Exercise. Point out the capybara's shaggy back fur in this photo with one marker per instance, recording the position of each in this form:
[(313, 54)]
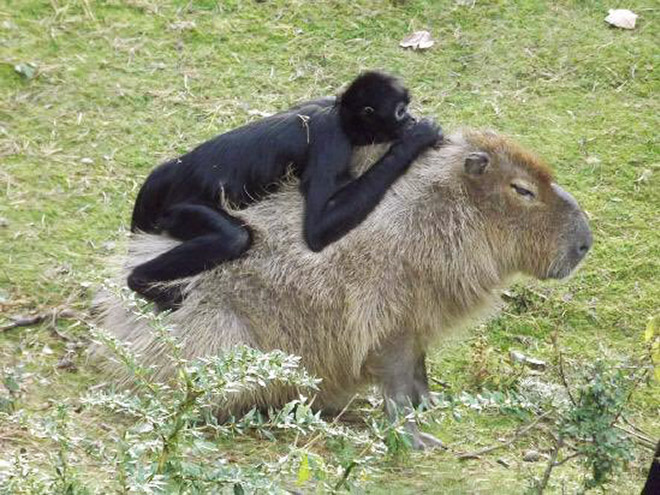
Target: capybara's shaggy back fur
[(431, 256)]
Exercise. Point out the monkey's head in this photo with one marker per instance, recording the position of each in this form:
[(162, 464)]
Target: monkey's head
[(374, 109), (537, 227)]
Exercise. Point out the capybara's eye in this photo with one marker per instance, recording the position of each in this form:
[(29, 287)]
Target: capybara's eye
[(525, 193)]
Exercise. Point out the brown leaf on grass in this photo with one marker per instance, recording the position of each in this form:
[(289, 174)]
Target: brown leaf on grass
[(419, 40)]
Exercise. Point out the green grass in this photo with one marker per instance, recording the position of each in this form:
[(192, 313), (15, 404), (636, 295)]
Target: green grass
[(122, 85)]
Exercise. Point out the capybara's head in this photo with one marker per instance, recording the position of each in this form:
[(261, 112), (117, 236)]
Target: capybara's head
[(535, 226)]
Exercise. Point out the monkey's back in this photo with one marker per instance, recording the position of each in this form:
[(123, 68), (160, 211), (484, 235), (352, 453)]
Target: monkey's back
[(244, 164)]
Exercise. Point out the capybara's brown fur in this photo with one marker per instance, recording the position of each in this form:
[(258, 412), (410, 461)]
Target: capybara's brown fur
[(432, 256)]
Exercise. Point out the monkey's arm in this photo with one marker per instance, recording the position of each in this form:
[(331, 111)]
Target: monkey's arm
[(334, 202)]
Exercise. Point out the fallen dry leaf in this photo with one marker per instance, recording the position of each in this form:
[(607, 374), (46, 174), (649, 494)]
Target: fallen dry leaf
[(621, 18), (182, 25), (419, 40), (519, 357)]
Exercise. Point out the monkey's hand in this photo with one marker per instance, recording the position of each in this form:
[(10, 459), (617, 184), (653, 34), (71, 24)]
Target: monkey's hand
[(421, 135)]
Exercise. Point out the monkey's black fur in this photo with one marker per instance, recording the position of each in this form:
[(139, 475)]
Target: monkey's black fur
[(652, 486), (315, 140)]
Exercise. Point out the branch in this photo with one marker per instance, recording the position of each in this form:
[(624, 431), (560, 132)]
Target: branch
[(519, 434), (566, 459), (634, 426), (334, 422), (551, 464), (28, 321), (560, 363), (636, 384), (640, 439)]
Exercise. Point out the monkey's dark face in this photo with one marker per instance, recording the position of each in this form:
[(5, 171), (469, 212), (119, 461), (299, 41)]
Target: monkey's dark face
[(385, 118), (374, 109)]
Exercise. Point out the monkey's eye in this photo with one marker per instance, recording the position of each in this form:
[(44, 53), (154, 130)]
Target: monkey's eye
[(368, 110), (525, 193), (401, 111)]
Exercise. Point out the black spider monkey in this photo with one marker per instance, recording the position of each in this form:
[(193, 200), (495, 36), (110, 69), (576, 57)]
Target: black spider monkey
[(315, 140)]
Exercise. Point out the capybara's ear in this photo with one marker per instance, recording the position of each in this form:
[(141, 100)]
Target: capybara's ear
[(476, 162)]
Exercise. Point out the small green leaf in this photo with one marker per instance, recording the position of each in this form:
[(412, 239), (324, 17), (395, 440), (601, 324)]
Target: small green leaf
[(303, 470)]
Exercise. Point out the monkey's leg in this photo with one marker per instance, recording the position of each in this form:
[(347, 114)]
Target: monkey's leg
[(396, 365), (188, 221), (210, 238)]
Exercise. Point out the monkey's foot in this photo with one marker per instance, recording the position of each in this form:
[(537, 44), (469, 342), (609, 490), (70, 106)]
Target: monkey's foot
[(164, 298)]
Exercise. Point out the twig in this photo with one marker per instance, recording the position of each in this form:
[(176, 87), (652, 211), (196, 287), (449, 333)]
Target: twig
[(639, 438), (634, 426), (518, 434), (560, 363), (334, 422), (636, 384), (28, 321), (305, 123), (97, 386), (566, 459), (59, 334), (551, 464), (24, 321), (439, 382), (404, 419), (88, 10)]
